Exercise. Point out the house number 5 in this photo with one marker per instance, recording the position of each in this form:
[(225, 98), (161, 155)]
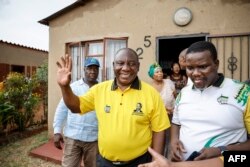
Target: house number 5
[(147, 44)]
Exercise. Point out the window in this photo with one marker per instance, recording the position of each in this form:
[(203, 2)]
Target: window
[(111, 47), (77, 54), (103, 50), (18, 68), (95, 50)]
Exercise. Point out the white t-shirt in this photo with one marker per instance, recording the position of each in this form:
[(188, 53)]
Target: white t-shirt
[(212, 117)]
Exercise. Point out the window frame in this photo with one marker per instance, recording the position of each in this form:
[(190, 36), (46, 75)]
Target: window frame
[(84, 53)]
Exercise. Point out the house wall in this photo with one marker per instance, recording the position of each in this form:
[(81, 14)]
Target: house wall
[(135, 20), (13, 54)]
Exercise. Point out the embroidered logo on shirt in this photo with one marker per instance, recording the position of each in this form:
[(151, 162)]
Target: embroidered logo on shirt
[(243, 94), (107, 109), (138, 110), (222, 99)]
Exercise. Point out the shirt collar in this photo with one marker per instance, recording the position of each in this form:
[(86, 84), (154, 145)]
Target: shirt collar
[(82, 82), (218, 82), (136, 84)]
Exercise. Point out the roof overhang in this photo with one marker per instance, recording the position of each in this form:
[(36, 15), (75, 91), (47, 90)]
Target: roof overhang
[(74, 5)]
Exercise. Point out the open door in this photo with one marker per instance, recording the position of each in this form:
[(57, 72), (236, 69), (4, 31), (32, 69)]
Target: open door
[(169, 48)]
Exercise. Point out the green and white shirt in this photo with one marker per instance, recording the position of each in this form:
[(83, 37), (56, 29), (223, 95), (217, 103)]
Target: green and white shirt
[(216, 116)]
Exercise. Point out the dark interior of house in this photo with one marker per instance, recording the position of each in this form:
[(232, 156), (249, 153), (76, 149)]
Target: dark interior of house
[(170, 48)]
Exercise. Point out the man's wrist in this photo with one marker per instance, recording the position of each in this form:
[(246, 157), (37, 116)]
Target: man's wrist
[(222, 149)]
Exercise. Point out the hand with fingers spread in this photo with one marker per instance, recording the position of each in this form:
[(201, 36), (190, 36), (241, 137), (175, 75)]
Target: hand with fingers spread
[(64, 70), (58, 140), (159, 160), (177, 149)]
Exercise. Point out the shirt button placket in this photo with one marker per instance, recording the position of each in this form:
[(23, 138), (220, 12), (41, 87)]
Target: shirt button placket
[(121, 99)]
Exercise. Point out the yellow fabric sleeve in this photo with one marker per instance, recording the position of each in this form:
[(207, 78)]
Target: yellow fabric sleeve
[(247, 116)]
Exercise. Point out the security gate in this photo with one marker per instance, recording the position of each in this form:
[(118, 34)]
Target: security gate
[(233, 54)]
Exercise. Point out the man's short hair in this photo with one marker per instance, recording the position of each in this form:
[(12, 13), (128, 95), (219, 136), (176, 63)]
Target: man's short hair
[(201, 46)]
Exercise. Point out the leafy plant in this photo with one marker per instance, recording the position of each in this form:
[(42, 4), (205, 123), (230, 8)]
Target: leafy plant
[(42, 77), (7, 114), (19, 92)]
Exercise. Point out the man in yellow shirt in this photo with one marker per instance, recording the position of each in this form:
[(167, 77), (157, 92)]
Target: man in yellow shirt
[(131, 114)]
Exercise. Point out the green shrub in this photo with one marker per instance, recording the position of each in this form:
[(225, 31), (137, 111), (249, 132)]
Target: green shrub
[(19, 92), (42, 77), (7, 114)]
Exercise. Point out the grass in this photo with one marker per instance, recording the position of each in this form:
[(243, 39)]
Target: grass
[(16, 154)]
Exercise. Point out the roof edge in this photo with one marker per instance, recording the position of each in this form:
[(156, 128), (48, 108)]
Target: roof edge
[(46, 20), (23, 46)]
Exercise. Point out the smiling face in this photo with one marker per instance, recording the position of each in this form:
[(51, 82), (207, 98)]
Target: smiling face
[(202, 68), (126, 66)]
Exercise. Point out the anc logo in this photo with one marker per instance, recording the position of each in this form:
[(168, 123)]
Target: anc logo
[(222, 99), (107, 109)]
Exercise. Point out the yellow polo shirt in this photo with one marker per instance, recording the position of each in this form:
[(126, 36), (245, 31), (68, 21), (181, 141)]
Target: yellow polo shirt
[(125, 119)]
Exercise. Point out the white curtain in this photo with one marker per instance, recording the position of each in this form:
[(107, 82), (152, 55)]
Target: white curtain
[(96, 48), (75, 60), (112, 46), (77, 54)]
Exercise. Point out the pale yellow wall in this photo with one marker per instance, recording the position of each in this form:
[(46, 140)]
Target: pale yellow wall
[(135, 19)]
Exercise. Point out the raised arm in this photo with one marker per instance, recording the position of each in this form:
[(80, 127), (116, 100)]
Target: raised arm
[(63, 79)]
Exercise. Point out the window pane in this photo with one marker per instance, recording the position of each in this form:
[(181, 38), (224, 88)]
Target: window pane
[(95, 48), (74, 50), (112, 46)]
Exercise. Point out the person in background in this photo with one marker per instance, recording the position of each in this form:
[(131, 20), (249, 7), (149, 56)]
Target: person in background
[(211, 116), (179, 79), (182, 62), (165, 87), (167, 91), (80, 131), (182, 59), (131, 114), (161, 161)]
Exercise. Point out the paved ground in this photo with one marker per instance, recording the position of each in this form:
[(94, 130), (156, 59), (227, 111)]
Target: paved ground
[(48, 152)]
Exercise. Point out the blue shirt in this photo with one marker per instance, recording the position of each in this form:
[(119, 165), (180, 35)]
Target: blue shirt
[(76, 126)]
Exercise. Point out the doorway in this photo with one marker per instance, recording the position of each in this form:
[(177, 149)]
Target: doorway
[(169, 48)]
